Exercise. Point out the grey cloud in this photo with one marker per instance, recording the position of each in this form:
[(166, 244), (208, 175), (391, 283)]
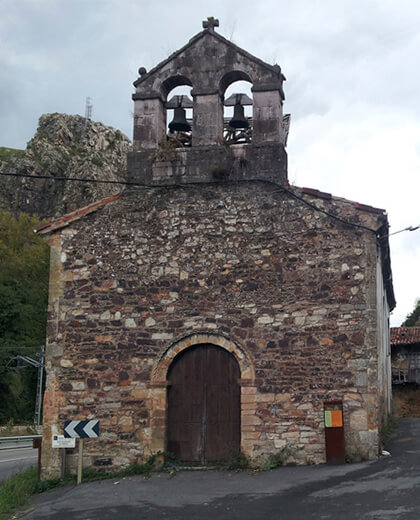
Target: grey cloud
[(345, 61)]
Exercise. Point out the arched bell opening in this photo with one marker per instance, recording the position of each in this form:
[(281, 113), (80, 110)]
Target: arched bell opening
[(238, 108), (179, 116)]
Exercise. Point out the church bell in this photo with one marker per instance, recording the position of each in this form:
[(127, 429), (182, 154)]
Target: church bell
[(179, 123), (238, 120)]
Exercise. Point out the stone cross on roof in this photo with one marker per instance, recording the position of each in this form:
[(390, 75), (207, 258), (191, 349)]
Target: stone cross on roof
[(210, 23)]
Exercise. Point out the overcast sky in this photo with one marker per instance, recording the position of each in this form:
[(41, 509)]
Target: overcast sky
[(353, 86)]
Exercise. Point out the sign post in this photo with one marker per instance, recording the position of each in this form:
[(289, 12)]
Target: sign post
[(80, 462), (37, 443), (61, 442), (81, 430)]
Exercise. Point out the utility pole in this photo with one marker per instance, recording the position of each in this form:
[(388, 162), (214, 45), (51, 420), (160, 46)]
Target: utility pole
[(22, 362)]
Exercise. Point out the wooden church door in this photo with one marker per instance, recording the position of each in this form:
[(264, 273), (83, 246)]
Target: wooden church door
[(204, 405)]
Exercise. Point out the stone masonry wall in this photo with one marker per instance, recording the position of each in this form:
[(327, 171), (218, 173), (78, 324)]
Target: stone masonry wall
[(290, 288)]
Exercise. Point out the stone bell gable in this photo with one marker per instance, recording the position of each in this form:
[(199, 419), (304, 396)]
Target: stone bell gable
[(209, 63)]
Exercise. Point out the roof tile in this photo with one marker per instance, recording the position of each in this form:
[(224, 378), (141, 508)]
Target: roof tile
[(405, 335)]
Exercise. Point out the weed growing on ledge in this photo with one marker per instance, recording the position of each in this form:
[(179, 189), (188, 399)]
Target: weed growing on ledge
[(166, 152)]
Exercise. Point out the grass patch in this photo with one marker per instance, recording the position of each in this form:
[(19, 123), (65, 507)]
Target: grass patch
[(97, 161), (8, 153), (16, 490), (11, 430)]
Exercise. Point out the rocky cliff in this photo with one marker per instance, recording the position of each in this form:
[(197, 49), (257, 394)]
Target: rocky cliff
[(63, 146)]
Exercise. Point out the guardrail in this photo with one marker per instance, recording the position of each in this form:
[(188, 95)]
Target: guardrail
[(20, 438), (36, 443)]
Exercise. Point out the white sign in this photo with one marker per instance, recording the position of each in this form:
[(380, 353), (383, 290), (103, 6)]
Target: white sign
[(59, 441)]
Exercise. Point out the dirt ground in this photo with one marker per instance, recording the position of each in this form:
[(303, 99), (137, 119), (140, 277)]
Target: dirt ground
[(406, 401)]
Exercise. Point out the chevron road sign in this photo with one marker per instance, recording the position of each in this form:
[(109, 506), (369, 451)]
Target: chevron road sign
[(81, 429)]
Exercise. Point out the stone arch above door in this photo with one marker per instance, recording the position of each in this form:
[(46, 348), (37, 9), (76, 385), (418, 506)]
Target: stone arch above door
[(246, 366), (155, 437)]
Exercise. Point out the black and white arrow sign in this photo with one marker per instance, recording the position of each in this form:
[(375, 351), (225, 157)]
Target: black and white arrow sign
[(82, 429)]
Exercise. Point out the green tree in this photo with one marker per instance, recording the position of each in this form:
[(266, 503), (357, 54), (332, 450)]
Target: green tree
[(413, 318), (24, 265)]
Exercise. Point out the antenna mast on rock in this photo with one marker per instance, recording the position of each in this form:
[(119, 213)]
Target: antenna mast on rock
[(88, 109)]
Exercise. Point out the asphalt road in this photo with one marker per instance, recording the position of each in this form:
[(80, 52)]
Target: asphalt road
[(14, 460), (385, 489)]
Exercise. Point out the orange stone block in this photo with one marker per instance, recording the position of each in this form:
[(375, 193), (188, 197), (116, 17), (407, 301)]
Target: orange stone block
[(271, 419), (248, 420), (248, 406), (372, 421), (103, 339), (247, 428), (248, 390), (326, 342), (251, 435), (140, 393)]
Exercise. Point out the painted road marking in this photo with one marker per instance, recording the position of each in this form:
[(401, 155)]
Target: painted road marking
[(25, 458), (18, 449)]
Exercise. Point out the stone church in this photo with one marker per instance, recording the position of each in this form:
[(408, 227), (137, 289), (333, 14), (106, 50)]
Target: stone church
[(212, 308)]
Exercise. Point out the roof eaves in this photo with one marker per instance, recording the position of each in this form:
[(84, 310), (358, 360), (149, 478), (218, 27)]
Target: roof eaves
[(328, 196), (316, 193), (405, 335), (64, 221), (369, 209)]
